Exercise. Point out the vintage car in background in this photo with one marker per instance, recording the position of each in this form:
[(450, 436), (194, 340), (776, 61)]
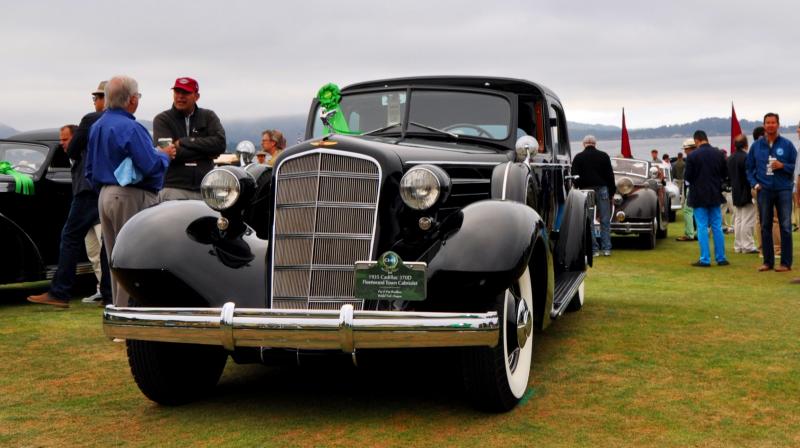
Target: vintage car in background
[(438, 213), (641, 205), (30, 224), (674, 191)]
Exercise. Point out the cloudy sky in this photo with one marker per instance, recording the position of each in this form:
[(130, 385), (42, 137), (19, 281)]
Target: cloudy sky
[(666, 62)]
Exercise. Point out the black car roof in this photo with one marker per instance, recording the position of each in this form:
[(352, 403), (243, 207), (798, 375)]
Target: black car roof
[(38, 135), (519, 86)]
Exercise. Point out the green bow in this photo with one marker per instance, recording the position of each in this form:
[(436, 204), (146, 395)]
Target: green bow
[(22, 183), (329, 97)]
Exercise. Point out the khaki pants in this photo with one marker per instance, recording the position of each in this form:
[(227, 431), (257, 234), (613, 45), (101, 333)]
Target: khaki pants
[(92, 241), (172, 194), (744, 220), (117, 205)]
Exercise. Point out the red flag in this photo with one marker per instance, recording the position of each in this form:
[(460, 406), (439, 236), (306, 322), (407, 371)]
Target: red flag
[(736, 130), (626, 142)]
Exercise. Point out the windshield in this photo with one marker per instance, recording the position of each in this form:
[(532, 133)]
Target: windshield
[(24, 158), (630, 167), (431, 111)]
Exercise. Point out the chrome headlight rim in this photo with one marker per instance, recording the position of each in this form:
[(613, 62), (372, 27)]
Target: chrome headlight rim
[(625, 185), (437, 183), (210, 186)]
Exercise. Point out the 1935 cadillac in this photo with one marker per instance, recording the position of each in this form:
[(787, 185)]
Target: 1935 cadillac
[(31, 221), (431, 216), (641, 204)]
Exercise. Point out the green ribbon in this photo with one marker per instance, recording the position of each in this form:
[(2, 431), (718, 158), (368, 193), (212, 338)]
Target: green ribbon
[(329, 97), (22, 183)]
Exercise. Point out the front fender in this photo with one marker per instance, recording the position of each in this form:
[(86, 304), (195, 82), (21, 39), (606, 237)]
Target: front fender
[(573, 249), (642, 205), (487, 246), (174, 255), (21, 261)]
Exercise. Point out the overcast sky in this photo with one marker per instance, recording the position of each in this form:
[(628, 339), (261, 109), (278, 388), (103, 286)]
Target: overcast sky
[(665, 62)]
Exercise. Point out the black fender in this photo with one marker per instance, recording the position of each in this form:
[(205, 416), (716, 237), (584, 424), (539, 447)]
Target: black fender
[(641, 205), (173, 254), (21, 261), (485, 247), (513, 182), (573, 250)]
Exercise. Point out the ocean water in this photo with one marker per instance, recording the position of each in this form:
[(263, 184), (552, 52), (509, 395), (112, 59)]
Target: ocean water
[(641, 147)]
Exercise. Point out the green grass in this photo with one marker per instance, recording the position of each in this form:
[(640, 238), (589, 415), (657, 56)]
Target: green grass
[(663, 354)]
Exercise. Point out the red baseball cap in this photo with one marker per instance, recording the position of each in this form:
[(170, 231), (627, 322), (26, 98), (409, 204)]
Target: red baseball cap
[(186, 84)]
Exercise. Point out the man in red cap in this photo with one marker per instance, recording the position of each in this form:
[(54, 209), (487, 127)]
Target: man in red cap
[(198, 137)]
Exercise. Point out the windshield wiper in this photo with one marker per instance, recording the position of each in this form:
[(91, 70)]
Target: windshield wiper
[(385, 128), (431, 128)]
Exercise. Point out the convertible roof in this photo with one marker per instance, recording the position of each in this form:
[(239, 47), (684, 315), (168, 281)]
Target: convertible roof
[(519, 86), (39, 135)]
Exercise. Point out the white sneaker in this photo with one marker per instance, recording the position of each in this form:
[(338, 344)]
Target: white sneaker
[(96, 297), (118, 340)]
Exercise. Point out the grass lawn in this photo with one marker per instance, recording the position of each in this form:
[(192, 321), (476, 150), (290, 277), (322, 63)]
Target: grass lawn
[(662, 354)]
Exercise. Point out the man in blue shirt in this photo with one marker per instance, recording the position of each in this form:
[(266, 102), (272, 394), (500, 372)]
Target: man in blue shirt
[(123, 164), (770, 171)]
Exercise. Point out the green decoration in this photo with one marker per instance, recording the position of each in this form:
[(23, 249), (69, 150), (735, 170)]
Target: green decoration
[(329, 97), (22, 183)]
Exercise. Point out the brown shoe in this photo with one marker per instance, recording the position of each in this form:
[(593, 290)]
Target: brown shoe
[(764, 267), (47, 299), (783, 268), (684, 238), (795, 281)]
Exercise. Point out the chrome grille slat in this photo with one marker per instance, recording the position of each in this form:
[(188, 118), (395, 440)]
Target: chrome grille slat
[(325, 216)]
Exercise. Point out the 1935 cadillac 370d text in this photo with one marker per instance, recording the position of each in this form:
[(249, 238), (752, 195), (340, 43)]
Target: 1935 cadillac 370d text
[(438, 213)]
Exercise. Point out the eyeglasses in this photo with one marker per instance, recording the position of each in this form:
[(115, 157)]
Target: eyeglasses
[(97, 97), (137, 95)]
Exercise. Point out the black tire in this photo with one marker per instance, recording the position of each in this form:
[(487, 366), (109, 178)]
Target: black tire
[(577, 300), (661, 234), (173, 374), (495, 381), (648, 240)]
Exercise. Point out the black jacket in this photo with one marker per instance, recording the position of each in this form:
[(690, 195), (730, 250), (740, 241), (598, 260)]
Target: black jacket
[(705, 171), (77, 152), (594, 170), (740, 186), (198, 149)]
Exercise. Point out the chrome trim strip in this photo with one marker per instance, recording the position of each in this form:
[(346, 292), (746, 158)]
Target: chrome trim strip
[(342, 329), (443, 162), (505, 180)]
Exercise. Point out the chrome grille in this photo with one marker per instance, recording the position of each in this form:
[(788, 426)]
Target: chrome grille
[(325, 212)]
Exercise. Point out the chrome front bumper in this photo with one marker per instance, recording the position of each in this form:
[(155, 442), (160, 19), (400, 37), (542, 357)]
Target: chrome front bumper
[(345, 330), (631, 227)]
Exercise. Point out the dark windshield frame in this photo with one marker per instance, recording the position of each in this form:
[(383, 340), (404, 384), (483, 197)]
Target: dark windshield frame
[(411, 130)]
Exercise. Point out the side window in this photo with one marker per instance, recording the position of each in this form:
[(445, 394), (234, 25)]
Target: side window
[(558, 130)]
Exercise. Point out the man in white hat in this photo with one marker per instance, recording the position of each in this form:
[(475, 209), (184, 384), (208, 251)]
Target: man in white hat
[(689, 231)]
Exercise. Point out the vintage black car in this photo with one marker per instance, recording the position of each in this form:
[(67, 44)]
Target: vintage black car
[(31, 224), (641, 204), (436, 219)]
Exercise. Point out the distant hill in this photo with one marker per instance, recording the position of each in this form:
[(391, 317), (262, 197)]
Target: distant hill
[(713, 126), (5, 131)]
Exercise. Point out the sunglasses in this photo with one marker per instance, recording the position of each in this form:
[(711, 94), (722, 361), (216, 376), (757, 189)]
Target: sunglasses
[(97, 97)]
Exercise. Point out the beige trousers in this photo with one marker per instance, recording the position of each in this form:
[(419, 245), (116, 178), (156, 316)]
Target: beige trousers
[(744, 222), (117, 205), (93, 244)]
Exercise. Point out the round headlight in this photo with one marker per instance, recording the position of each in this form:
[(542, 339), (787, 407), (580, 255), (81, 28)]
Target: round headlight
[(420, 188), (220, 189), (625, 185)]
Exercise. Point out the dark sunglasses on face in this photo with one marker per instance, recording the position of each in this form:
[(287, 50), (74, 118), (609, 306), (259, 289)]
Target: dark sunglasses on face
[(97, 97)]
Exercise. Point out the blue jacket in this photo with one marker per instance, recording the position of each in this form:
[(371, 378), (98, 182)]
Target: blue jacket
[(705, 171), (112, 138), (783, 150)]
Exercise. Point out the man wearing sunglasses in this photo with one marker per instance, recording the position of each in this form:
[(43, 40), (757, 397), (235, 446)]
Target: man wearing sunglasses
[(83, 222)]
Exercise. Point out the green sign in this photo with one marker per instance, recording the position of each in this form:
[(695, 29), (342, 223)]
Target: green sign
[(390, 278)]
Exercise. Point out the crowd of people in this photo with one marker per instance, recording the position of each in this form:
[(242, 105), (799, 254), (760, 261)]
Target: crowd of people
[(118, 169), (758, 183)]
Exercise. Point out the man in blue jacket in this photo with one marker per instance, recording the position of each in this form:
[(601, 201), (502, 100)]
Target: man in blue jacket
[(770, 169), (115, 139), (705, 171)]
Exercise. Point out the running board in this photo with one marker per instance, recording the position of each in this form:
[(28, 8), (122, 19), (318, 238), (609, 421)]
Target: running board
[(567, 284)]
